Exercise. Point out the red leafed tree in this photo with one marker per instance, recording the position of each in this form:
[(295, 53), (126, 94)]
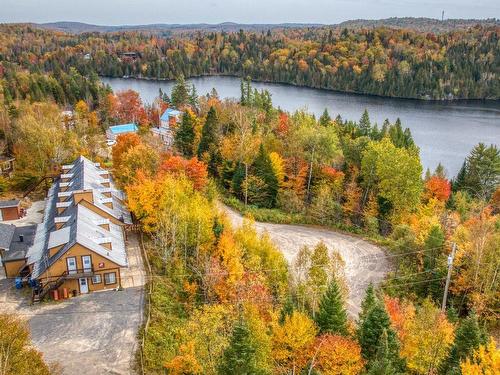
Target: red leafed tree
[(194, 169), (331, 173), (283, 124), (129, 107), (438, 187)]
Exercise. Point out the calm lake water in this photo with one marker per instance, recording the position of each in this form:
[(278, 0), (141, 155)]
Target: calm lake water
[(444, 131)]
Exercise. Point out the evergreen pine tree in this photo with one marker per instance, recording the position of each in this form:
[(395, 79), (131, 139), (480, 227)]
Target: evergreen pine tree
[(468, 337), (287, 309), (240, 356), (364, 124), (368, 302), (332, 316), (184, 136), (180, 93), (264, 169), (237, 180), (383, 364), (374, 321), (440, 171), (325, 119), (193, 97), (208, 133), (459, 182), (385, 128), (483, 171)]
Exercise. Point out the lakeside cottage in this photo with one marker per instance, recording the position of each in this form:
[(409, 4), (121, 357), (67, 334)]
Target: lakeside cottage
[(80, 245)]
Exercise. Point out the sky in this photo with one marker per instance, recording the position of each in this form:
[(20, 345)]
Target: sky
[(133, 12)]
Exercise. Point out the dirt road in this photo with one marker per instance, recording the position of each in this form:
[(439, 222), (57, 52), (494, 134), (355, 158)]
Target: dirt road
[(364, 262)]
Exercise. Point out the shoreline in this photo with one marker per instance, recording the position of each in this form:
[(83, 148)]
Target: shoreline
[(353, 93)]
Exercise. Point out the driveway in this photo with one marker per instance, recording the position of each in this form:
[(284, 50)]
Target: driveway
[(364, 262), (90, 334), (94, 333), (134, 275)]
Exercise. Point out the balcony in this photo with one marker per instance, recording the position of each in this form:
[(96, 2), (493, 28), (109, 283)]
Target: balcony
[(80, 272)]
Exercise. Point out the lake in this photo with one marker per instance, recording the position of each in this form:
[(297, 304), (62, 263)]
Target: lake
[(444, 131)]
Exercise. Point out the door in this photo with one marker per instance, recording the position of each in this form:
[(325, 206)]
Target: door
[(84, 287), (71, 262), (87, 263)]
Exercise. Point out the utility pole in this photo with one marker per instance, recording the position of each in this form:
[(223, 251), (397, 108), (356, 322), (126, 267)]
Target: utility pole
[(448, 277), (442, 16)]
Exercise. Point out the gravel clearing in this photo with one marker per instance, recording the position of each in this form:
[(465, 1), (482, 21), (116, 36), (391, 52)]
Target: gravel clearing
[(364, 262)]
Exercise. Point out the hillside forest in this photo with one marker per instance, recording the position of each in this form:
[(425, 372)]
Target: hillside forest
[(378, 61)]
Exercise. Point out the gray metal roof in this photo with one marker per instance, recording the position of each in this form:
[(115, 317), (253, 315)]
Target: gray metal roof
[(6, 234), (18, 249), (9, 203), (80, 224)]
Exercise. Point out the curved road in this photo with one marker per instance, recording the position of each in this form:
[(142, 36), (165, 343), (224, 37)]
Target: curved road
[(364, 262)]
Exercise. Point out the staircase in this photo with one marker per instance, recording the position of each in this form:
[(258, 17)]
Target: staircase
[(39, 293), (50, 178)]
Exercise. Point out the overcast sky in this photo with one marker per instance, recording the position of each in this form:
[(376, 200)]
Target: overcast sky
[(119, 12)]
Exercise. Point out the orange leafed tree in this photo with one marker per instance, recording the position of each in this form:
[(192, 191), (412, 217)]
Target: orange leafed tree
[(185, 362), (194, 169), (438, 187), (400, 314), (332, 355), (124, 142)]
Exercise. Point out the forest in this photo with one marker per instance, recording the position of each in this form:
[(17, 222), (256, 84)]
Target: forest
[(223, 300), (380, 61)]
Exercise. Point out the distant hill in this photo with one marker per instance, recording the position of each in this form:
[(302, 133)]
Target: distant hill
[(78, 27), (420, 24)]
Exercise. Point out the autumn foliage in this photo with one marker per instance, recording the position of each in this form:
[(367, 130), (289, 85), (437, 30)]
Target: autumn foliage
[(336, 355), (194, 169), (438, 187)]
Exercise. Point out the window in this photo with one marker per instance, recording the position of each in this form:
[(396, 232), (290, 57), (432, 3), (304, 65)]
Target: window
[(110, 278), (96, 279)]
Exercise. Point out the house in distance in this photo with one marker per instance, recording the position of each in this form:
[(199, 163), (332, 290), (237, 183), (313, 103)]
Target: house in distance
[(114, 131), (168, 120)]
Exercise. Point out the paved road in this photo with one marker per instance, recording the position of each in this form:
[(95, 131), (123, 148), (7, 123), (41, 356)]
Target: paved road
[(364, 262), (90, 334)]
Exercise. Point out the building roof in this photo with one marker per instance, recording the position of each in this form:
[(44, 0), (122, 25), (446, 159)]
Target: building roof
[(124, 128), (170, 112), (18, 248), (83, 228), (86, 175), (78, 223), (9, 203), (6, 234)]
